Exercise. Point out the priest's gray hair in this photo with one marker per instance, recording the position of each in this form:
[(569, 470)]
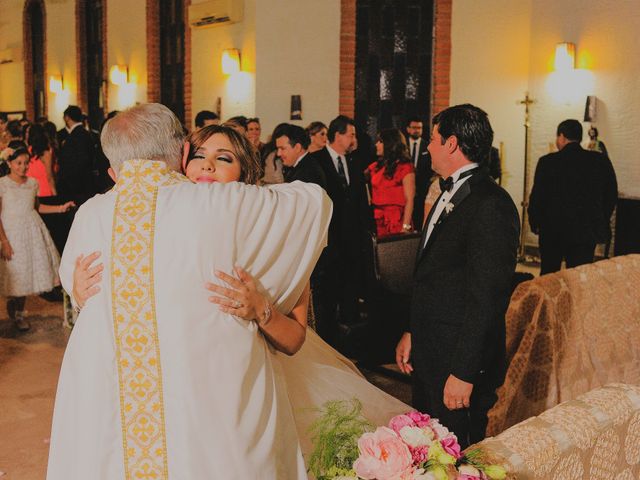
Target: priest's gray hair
[(145, 132)]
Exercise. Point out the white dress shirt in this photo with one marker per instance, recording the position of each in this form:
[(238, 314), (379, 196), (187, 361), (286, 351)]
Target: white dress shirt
[(445, 198), (299, 159), (336, 157)]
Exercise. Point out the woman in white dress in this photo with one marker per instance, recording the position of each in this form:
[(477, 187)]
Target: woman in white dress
[(312, 371), (30, 260)]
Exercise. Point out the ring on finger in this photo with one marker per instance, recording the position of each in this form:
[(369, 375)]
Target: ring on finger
[(237, 304)]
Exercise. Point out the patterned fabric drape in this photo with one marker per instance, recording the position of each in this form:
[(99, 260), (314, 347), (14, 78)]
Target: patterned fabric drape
[(596, 436), (568, 333)]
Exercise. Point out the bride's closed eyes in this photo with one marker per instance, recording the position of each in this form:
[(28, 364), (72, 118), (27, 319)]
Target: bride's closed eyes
[(214, 161)]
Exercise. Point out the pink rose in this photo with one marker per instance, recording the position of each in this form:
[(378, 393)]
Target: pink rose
[(400, 421), (467, 477), (419, 454), (383, 456), (420, 419), (451, 446)]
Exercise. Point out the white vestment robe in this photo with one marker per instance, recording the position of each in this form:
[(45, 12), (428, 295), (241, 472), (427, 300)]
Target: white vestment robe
[(220, 408)]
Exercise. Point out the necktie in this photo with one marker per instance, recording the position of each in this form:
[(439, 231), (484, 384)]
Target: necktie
[(447, 184), (413, 154), (341, 174)]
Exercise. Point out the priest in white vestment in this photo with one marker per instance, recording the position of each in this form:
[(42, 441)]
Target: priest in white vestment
[(155, 383)]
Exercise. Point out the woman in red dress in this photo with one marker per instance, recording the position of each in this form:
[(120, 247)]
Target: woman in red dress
[(41, 164), (393, 183)]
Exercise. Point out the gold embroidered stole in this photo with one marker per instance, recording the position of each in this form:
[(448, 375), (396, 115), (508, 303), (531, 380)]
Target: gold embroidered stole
[(134, 318)]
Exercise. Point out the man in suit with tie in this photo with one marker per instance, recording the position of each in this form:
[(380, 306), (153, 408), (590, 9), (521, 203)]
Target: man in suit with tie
[(573, 196), (75, 178), (422, 163), (351, 217), (455, 344)]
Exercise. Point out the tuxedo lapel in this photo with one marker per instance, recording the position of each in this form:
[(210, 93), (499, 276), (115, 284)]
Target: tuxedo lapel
[(461, 194)]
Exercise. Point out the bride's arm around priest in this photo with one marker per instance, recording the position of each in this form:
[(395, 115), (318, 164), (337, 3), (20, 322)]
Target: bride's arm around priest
[(154, 381)]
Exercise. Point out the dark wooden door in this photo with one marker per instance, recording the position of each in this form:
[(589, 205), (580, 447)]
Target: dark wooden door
[(172, 56), (394, 46), (94, 36)]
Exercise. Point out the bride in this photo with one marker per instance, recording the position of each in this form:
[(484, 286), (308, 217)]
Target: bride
[(308, 369)]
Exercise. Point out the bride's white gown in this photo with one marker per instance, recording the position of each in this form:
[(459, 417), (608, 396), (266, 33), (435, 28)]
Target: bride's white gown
[(317, 374), (228, 402)]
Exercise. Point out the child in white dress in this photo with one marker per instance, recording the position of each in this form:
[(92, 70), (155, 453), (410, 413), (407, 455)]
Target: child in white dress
[(30, 260)]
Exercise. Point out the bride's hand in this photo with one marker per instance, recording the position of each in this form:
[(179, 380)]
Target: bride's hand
[(242, 299), (86, 278)]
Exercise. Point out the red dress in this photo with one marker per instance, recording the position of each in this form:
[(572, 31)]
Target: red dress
[(38, 171), (388, 198)]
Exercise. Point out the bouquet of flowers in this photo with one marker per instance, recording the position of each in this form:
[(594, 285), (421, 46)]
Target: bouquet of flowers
[(413, 446)]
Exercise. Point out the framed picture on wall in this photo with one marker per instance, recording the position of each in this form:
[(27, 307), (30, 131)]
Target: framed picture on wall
[(16, 115), (296, 107)]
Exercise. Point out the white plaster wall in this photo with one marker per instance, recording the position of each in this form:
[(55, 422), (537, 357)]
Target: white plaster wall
[(11, 74), (297, 53), (490, 68), (607, 41), (238, 92), (492, 40), (127, 45)]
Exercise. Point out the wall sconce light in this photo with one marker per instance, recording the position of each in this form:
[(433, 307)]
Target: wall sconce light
[(119, 75), (565, 57), (230, 61), (56, 83)]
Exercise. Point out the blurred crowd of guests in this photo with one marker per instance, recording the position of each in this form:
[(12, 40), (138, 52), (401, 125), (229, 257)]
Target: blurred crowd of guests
[(379, 188)]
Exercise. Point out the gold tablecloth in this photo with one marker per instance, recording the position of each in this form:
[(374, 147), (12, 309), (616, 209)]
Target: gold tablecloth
[(596, 436), (568, 333)]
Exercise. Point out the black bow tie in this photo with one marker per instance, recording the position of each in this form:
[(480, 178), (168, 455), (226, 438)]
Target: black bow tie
[(447, 184)]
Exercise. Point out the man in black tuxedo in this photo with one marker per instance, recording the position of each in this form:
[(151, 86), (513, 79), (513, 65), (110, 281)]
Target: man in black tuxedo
[(573, 196), (344, 260), (75, 177), (422, 163), (455, 344)]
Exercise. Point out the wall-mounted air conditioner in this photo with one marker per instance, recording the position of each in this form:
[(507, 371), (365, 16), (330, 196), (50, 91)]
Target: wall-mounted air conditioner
[(215, 12)]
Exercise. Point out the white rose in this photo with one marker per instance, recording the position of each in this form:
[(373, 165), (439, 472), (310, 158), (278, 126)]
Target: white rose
[(343, 477), (420, 474), (416, 436), (440, 430), (469, 470)]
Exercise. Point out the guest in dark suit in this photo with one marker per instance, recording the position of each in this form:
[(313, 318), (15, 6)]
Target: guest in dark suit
[(422, 164), (292, 142), (455, 344), (572, 199), (351, 217), (75, 177)]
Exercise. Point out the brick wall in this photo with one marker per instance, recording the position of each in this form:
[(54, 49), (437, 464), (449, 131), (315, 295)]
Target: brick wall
[(187, 66), (27, 53), (153, 51), (441, 59), (347, 58), (442, 56)]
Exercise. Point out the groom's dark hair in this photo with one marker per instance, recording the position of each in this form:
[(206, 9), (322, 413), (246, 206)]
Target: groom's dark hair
[(470, 125)]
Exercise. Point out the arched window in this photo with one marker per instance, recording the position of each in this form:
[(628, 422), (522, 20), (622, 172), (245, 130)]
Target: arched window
[(168, 44), (393, 62), (92, 53), (34, 31)]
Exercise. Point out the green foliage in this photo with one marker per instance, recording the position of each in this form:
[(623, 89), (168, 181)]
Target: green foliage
[(335, 437)]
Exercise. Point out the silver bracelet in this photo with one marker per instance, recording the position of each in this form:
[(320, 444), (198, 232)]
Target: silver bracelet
[(266, 316)]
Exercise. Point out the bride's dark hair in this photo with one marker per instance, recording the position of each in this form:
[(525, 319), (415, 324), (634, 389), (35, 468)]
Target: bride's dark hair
[(250, 168)]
